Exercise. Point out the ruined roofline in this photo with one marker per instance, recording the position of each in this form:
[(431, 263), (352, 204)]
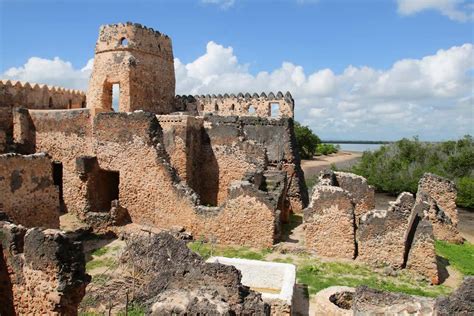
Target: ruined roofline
[(247, 96), (150, 30), (38, 87)]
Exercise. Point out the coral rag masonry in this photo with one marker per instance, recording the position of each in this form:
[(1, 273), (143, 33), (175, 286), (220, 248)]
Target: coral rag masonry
[(223, 167)]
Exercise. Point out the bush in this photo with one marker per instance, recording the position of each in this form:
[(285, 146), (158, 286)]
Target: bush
[(398, 167), (307, 141), (326, 149)]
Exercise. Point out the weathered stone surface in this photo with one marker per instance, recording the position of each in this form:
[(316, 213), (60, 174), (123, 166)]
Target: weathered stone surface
[(329, 221), (362, 194), (381, 234), (181, 282), (443, 227), (443, 191), (43, 272), (130, 55), (28, 195), (367, 301), (328, 301), (460, 302)]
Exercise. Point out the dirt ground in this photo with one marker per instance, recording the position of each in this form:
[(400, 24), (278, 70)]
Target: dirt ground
[(342, 160)]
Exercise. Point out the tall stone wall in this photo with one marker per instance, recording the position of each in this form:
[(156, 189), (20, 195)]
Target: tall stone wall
[(43, 272), (140, 61), (28, 195), (278, 105), (130, 145)]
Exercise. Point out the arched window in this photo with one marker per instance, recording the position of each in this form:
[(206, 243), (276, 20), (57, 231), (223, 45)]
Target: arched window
[(232, 107), (123, 42), (50, 103), (216, 107), (70, 104)]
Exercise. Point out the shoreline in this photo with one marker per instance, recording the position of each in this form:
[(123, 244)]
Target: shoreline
[(344, 159)]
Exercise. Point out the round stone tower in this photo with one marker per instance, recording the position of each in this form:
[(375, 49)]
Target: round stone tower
[(140, 61)]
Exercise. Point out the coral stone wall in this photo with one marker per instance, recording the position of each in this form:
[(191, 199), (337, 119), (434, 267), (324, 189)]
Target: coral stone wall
[(28, 195), (149, 189), (33, 96), (381, 234), (64, 135), (45, 272), (361, 192), (443, 191), (131, 55), (228, 105), (329, 223)]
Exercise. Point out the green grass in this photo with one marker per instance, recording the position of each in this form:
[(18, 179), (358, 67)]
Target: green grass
[(133, 310), (99, 263), (320, 275), (206, 250), (311, 182), (100, 251), (460, 257)]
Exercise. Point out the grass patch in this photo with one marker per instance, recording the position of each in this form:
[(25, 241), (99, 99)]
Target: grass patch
[(283, 260), (100, 251), (133, 310), (101, 263), (460, 257), (320, 275), (311, 182), (206, 250)]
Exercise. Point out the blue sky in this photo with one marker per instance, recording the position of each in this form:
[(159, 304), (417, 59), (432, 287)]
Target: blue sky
[(334, 55)]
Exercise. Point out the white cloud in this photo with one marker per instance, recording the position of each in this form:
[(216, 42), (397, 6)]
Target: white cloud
[(458, 10), (55, 72), (224, 4), (431, 97)]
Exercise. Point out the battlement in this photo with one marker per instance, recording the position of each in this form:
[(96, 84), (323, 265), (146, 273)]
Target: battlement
[(133, 37), (19, 85), (271, 105)]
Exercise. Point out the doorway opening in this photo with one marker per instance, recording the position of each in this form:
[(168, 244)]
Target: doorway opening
[(115, 96), (58, 181)]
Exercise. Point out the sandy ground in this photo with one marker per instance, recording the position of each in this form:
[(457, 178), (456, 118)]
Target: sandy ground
[(342, 160)]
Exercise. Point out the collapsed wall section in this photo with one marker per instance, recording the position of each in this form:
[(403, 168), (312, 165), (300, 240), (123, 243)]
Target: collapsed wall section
[(28, 194), (44, 272)]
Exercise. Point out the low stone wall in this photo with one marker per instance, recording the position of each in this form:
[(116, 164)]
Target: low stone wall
[(329, 221), (28, 195), (43, 272)]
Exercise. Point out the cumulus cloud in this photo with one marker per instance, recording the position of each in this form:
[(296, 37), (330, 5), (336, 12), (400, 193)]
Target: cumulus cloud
[(458, 10), (55, 72), (431, 97)]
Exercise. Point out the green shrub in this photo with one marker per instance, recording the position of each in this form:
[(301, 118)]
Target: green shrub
[(326, 149), (398, 167), (306, 140)]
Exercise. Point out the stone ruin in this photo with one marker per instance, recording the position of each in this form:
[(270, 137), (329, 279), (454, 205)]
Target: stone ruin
[(42, 271), (224, 168), (341, 212), (343, 300)]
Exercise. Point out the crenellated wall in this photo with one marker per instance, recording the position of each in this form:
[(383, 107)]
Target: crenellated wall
[(262, 105), (32, 96)]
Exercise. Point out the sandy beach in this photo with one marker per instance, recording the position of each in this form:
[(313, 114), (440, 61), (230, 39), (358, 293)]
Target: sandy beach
[(342, 160)]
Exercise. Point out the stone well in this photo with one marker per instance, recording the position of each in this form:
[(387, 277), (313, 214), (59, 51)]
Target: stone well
[(275, 281)]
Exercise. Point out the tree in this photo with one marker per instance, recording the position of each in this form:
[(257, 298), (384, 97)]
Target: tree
[(307, 141)]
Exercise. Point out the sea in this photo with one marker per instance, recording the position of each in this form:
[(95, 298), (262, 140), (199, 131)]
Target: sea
[(359, 147)]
